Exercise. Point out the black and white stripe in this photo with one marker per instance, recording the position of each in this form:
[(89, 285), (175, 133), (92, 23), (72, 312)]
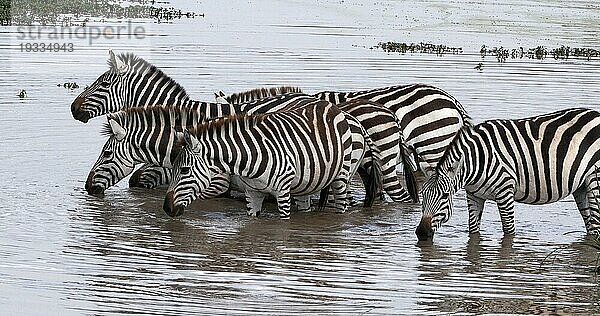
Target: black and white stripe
[(428, 117), (133, 82), (149, 134), (535, 160), (382, 129), (287, 153)]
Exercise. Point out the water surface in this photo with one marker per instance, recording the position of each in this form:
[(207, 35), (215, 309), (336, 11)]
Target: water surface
[(64, 252)]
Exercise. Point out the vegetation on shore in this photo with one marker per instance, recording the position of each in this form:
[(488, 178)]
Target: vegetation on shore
[(501, 53), (79, 12)]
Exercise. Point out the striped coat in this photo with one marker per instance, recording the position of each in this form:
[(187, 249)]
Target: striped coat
[(536, 160)]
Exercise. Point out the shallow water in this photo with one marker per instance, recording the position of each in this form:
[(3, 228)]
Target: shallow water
[(64, 252)]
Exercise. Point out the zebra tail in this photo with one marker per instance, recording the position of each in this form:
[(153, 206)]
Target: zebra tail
[(323, 196), (409, 178), (374, 184)]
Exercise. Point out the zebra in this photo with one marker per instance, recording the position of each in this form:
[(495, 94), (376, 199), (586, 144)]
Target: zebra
[(131, 82), (371, 116), (255, 94), (535, 160), (149, 138), (151, 176), (383, 130), (428, 116), (146, 135), (286, 153)]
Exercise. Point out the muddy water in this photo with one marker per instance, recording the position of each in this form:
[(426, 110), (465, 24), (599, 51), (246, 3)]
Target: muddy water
[(64, 252)]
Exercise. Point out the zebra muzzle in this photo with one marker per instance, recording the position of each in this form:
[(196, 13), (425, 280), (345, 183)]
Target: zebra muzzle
[(77, 111), (92, 188), (424, 231), (170, 208)]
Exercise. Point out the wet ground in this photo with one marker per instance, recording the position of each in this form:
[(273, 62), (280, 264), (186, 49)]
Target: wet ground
[(64, 252)]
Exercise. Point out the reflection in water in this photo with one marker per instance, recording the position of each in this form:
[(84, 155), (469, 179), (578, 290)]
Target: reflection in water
[(507, 276)]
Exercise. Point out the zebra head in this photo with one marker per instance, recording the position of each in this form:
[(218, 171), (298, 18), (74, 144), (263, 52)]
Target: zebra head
[(115, 161), (437, 194), (191, 177), (106, 94)]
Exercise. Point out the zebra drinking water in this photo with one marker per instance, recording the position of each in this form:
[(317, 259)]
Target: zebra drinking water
[(131, 82), (536, 160), (295, 152), (149, 135)]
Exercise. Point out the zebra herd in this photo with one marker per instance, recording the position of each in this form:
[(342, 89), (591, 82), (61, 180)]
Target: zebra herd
[(291, 145)]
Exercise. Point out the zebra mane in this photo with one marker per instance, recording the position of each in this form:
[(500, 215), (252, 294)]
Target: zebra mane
[(248, 120), (145, 112), (139, 64), (106, 130), (260, 93), (455, 142)]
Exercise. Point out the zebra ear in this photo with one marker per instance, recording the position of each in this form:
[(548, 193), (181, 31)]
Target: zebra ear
[(117, 130), (220, 97), (117, 62), (453, 169), (428, 169), (190, 140)]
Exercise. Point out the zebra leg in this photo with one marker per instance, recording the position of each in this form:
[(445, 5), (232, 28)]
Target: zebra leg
[(392, 186), (587, 198), (284, 203), (506, 201), (303, 203), (339, 187), (475, 206), (580, 196), (255, 201)]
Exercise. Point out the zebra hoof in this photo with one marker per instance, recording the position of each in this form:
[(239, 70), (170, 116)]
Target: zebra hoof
[(253, 214)]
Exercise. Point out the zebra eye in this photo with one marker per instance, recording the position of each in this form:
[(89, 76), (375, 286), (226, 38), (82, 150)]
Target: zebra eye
[(445, 195), (185, 170), (107, 153)]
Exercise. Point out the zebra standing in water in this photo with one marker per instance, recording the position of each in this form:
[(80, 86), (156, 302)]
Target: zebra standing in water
[(382, 128), (372, 116), (295, 152), (130, 82), (535, 160), (428, 116)]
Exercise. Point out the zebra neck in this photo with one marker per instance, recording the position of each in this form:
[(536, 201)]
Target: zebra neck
[(218, 154), (159, 90)]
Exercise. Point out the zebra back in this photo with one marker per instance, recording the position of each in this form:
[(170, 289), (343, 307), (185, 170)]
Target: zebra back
[(428, 116), (258, 93)]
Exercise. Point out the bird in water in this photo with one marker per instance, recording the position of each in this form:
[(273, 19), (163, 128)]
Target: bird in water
[(22, 94), (479, 67)]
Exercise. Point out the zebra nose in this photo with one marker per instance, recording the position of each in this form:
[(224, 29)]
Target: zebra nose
[(424, 231), (169, 206), (77, 112), (135, 179), (90, 188)]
